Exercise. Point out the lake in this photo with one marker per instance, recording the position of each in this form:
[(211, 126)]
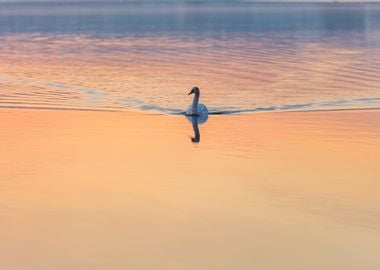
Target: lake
[(100, 169)]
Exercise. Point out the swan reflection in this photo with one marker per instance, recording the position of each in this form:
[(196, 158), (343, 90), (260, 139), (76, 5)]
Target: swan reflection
[(195, 121)]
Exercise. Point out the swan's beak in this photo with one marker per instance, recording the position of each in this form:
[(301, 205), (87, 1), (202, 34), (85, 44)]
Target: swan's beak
[(191, 92)]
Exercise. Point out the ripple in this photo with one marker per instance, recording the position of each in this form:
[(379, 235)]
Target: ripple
[(246, 72)]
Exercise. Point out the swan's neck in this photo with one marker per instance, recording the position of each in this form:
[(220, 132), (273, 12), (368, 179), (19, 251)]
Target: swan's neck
[(195, 103)]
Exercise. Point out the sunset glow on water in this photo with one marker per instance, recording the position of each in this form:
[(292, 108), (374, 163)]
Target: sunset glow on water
[(100, 169), (261, 57)]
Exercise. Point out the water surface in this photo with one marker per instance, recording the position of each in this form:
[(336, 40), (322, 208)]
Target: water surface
[(144, 55), (100, 190), (89, 180)]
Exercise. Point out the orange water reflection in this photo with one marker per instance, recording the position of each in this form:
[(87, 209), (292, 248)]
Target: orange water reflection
[(109, 190)]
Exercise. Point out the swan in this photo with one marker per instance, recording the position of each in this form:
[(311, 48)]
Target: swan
[(195, 109)]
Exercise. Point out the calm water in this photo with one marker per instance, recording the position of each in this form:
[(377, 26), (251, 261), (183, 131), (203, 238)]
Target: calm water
[(119, 190), (244, 56)]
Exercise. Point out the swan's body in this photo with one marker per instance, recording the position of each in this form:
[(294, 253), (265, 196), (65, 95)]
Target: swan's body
[(196, 109)]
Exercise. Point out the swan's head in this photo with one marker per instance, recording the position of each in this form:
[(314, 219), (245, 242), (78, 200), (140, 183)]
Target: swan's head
[(195, 91)]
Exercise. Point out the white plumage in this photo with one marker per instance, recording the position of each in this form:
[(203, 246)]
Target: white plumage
[(201, 110)]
